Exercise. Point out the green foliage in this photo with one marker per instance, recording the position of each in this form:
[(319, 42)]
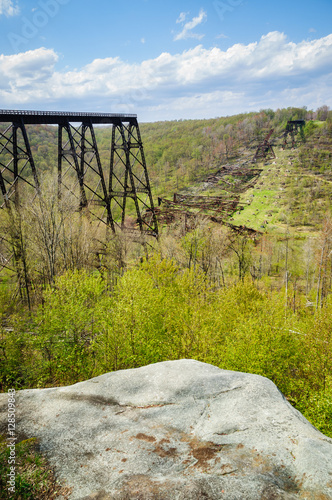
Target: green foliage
[(59, 336), (144, 325), (67, 323), (317, 408), (309, 128), (33, 478), (317, 345)]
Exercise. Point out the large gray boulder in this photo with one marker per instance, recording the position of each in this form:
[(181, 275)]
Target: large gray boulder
[(177, 430)]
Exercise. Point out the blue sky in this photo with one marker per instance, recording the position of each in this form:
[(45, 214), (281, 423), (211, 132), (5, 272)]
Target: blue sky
[(165, 59)]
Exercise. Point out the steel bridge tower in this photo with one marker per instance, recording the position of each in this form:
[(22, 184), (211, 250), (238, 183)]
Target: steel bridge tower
[(107, 193)]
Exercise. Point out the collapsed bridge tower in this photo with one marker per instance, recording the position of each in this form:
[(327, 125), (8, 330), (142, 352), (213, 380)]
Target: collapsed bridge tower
[(265, 149), (293, 128)]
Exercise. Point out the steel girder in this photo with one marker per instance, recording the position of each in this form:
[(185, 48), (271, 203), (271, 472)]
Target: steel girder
[(15, 160), (106, 194), (79, 169), (129, 180)]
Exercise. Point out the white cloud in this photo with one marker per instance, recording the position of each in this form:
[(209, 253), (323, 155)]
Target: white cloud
[(189, 26), (181, 18), (25, 75), (143, 40), (196, 83), (28, 65), (8, 8)]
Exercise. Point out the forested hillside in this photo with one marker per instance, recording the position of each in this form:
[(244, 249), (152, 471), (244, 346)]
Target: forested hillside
[(246, 287)]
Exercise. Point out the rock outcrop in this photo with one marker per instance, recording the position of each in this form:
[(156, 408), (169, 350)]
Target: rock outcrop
[(177, 430)]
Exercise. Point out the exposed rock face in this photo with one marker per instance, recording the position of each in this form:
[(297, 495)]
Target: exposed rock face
[(177, 430)]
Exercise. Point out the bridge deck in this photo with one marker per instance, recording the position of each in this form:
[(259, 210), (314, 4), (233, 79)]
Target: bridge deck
[(59, 117)]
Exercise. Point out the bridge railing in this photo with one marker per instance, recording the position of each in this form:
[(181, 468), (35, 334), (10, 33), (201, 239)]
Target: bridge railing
[(63, 113)]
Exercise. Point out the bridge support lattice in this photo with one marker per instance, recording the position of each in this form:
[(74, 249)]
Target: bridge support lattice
[(117, 195)]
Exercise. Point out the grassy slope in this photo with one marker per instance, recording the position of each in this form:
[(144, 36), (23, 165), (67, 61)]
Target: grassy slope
[(266, 202)]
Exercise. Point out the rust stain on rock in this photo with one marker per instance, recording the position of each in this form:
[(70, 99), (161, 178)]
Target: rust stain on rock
[(165, 452), (204, 452), (145, 437), (164, 440)]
